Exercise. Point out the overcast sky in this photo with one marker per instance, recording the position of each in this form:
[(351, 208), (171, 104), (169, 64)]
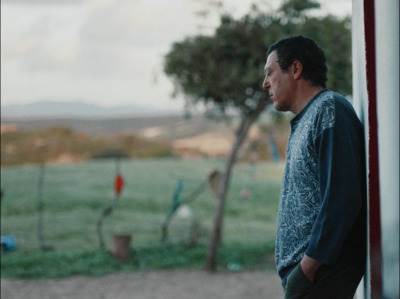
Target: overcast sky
[(104, 52)]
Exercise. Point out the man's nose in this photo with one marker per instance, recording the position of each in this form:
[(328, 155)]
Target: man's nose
[(266, 84)]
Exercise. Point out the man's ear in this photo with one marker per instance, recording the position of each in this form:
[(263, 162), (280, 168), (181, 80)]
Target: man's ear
[(297, 69)]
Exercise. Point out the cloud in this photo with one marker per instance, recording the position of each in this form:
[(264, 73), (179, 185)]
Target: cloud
[(101, 38), (94, 50), (44, 39)]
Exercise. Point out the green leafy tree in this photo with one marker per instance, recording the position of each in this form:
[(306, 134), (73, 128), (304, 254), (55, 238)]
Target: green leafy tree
[(225, 71), (334, 36)]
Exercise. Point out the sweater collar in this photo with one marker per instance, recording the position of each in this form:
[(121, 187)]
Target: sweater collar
[(294, 121)]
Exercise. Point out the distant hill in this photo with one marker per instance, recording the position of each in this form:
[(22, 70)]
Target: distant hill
[(73, 109), (154, 126), (88, 118)]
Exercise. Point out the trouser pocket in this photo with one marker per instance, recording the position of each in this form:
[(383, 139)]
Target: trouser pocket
[(297, 284)]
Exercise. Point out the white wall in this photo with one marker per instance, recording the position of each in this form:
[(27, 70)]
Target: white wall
[(387, 76), (387, 69), (360, 96)]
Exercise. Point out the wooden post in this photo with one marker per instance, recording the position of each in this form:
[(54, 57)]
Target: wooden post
[(110, 208), (40, 206)]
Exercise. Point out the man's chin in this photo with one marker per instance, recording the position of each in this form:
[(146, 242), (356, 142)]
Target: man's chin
[(277, 106), (280, 108)]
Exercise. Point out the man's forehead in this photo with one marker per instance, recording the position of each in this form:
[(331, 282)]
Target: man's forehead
[(271, 59)]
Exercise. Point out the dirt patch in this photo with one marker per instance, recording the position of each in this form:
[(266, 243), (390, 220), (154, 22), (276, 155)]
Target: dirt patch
[(168, 284), (207, 144), (210, 144)]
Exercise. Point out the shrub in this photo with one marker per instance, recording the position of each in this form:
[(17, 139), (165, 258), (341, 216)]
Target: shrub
[(109, 153)]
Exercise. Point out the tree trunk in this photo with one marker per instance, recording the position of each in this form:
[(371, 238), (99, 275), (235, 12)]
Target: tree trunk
[(241, 134)]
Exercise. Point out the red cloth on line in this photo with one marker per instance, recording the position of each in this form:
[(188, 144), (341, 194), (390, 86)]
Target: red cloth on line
[(118, 184)]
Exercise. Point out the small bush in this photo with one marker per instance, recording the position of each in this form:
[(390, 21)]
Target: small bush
[(109, 153)]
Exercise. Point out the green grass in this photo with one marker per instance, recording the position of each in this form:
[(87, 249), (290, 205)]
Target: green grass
[(57, 264), (74, 196)]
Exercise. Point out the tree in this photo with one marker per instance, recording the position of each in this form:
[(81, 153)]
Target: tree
[(334, 36), (331, 33), (225, 71)]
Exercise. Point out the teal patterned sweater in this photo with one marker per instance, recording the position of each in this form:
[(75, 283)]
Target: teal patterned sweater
[(322, 201)]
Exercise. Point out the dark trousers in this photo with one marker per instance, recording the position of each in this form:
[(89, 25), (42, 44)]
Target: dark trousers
[(336, 282)]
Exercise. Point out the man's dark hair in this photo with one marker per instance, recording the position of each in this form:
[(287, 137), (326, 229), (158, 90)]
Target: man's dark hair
[(307, 52)]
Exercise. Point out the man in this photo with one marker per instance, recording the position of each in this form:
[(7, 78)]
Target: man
[(320, 247)]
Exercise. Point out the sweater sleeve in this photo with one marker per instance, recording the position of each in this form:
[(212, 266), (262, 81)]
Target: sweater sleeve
[(338, 149)]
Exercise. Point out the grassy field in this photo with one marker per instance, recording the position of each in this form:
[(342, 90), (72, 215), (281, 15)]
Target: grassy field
[(74, 196)]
